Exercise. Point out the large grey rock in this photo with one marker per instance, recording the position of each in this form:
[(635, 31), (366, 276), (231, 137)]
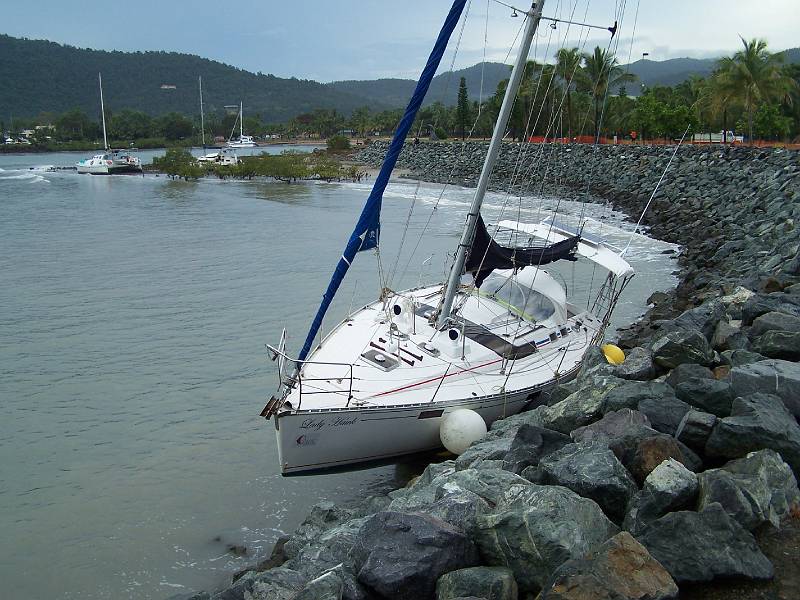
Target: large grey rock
[(618, 569), (757, 421), (709, 395), (279, 583), (580, 408), (779, 344), (401, 555), (695, 428), (761, 304), (702, 546), (638, 365), (491, 583), (492, 449), (643, 450), (778, 377), (613, 425), (328, 586), (537, 528), (775, 321), (664, 414), (687, 371), (323, 516), (591, 470), (331, 550), (682, 346), (703, 318), (456, 497), (754, 490), (510, 425), (729, 337), (738, 358), (632, 393), (239, 590), (530, 444), (668, 487)]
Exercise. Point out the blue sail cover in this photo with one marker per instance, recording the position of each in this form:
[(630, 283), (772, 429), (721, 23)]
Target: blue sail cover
[(367, 231)]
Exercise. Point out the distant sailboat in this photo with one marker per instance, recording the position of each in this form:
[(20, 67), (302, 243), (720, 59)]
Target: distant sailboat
[(244, 141), (111, 162), (225, 156)]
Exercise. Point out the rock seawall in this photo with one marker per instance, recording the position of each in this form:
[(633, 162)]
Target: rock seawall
[(634, 481)]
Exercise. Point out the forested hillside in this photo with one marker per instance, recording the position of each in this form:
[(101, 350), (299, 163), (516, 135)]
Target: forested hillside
[(39, 76)]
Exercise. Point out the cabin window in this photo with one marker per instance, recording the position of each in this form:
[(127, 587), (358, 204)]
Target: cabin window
[(519, 299)]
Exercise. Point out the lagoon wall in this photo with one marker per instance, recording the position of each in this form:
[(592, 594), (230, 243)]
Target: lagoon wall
[(671, 472)]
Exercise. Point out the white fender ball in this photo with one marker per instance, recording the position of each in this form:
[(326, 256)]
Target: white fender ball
[(460, 428)]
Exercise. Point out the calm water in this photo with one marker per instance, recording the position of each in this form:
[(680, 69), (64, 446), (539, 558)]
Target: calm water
[(133, 317)]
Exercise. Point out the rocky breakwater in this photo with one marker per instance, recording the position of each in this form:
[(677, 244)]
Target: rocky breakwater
[(633, 481), (672, 473)]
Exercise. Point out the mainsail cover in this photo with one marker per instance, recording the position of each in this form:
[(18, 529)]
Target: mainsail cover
[(367, 231), (487, 255)]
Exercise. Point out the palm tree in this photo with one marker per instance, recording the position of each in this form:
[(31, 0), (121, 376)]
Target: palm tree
[(568, 68), (753, 76), (601, 72)]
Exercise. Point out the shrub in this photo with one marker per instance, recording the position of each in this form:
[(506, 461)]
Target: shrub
[(338, 142)]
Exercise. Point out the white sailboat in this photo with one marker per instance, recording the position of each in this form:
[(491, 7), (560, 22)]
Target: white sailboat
[(243, 141), (224, 156), (380, 384), (110, 162)]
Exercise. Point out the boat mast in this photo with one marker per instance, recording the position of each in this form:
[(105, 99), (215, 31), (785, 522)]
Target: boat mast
[(241, 120), (202, 124), (533, 17), (103, 112)]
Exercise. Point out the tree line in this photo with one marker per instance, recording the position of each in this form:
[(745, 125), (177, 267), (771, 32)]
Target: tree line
[(579, 94)]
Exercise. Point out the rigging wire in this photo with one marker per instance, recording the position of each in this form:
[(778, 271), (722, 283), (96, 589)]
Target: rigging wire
[(655, 190), (435, 206), (390, 277)]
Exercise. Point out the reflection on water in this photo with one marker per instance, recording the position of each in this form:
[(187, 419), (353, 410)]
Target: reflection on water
[(278, 191), (133, 317)]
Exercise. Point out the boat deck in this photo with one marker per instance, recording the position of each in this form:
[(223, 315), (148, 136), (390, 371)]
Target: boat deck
[(389, 354)]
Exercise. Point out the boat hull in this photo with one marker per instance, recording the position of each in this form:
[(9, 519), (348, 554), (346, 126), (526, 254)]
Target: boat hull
[(104, 169), (310, 440)]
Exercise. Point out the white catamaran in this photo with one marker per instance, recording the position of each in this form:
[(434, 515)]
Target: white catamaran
[(243, 141), (110, 162), (224, 156), (380, 384)]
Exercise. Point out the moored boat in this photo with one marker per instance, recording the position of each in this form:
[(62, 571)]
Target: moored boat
[(110, 162), (243, 141)]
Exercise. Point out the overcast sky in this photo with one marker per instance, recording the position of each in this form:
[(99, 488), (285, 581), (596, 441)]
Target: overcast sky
[(330, 40)]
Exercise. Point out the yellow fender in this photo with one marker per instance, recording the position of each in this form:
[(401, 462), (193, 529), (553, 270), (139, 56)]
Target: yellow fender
[(614, 354)]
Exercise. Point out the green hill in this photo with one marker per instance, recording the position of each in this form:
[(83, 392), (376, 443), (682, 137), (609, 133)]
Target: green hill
[(39, 76)]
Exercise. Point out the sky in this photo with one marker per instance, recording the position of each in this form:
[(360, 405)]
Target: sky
[(332, 40)]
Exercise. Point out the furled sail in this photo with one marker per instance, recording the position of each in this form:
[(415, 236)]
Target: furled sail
[(367, 231), (487, 255)]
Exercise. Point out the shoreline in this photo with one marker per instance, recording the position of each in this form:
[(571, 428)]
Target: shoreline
[(680, 410)]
